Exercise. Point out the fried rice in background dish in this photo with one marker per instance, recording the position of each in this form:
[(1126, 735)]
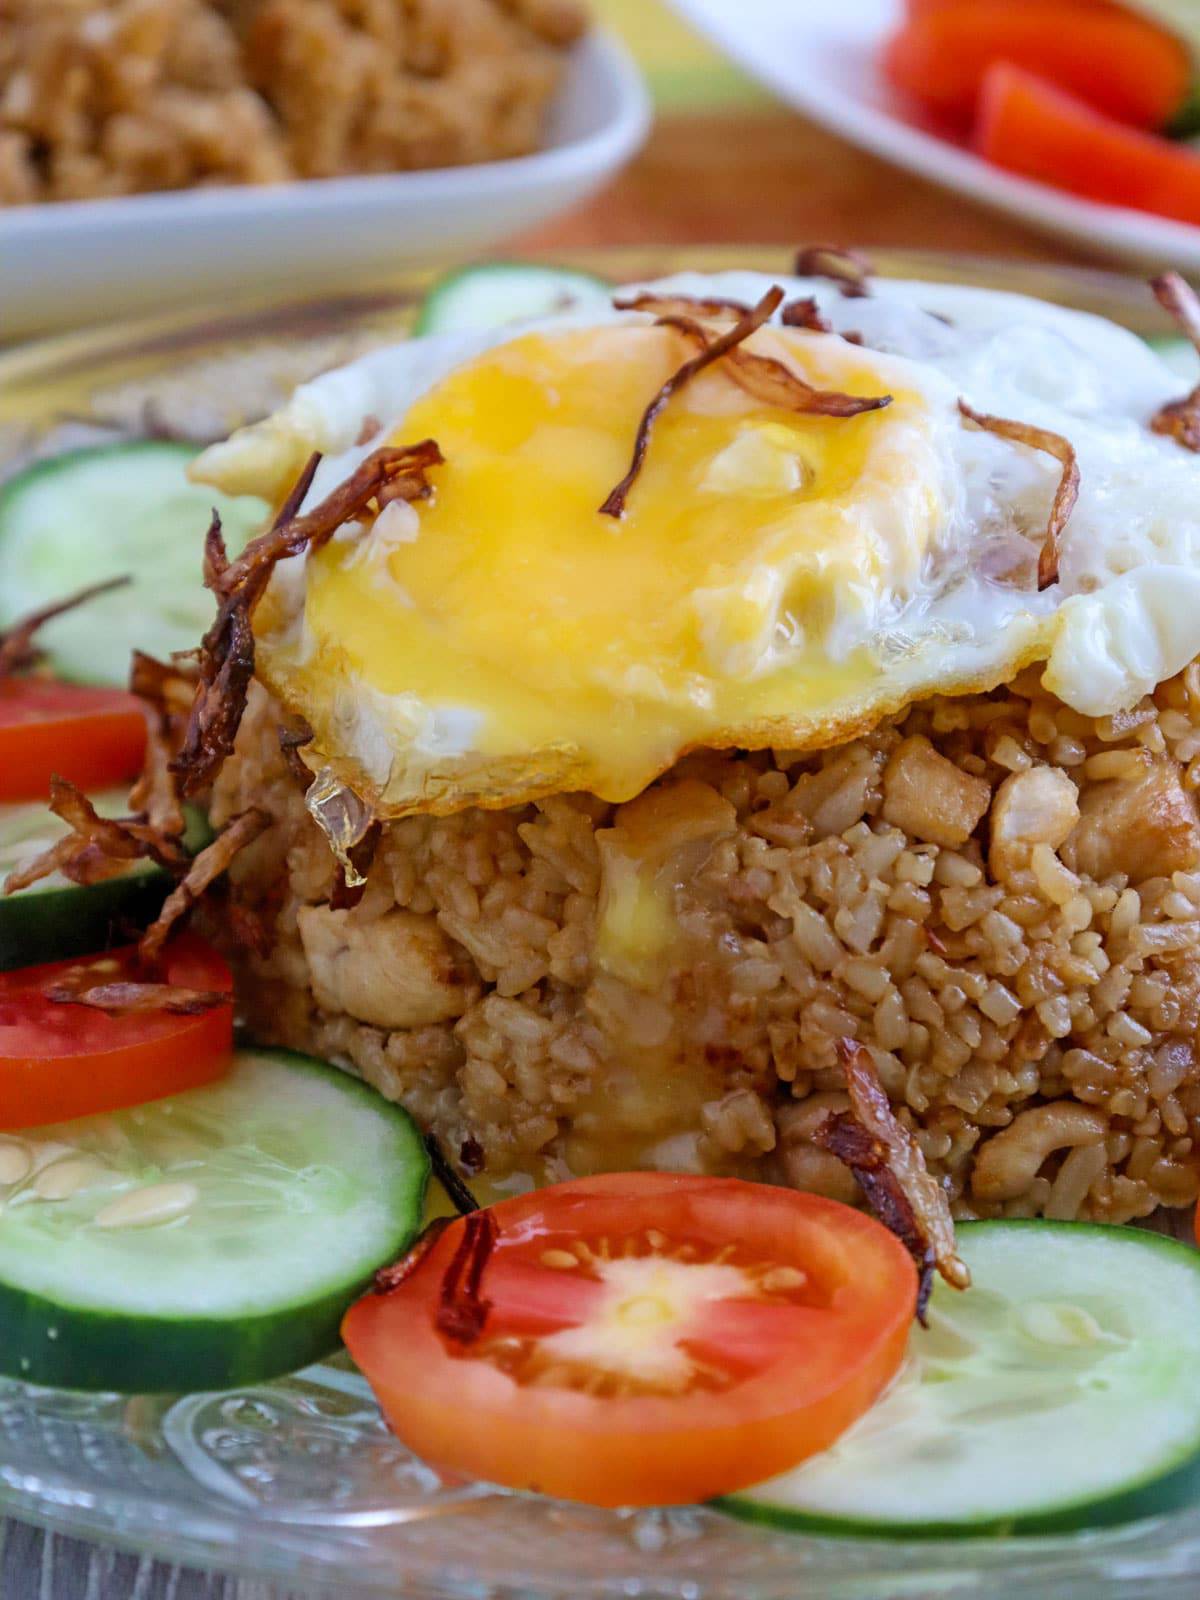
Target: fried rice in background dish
[(118, 97), (985, 870)]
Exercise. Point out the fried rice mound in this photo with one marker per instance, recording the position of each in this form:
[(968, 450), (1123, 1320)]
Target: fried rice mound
[(999, 897)]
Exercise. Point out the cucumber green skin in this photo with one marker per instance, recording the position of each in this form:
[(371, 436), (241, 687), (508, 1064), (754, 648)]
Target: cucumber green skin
[(157, 1355), (130, 1354), (1178, 1488), (56, 924), (1175, 1487), (78, 921), (429, 317)]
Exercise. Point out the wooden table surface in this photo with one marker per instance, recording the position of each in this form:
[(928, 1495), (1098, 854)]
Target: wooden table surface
[(765, 175), (742, 170)]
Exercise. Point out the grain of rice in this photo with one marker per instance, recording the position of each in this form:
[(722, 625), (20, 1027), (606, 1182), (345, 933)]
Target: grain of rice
[(1118, 764)]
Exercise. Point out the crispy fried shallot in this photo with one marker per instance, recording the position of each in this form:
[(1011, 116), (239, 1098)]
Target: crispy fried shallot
[(851, 271), (166, 691), (682, 305), (226, 670), (1065, 495), (1180, 419), (121, 999), (391, 1277), (614, 504), (154, 795), (97, 847), (169, 686), (18, 652), (292, 739), (805, 313), (890, 1169), (765, 378), (775, 384), (121, 838), (214, 563), (202, 871), (462, 1311), (227, 649)]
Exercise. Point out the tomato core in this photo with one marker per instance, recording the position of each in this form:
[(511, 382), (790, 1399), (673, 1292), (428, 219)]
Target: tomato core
[(640, 1338)]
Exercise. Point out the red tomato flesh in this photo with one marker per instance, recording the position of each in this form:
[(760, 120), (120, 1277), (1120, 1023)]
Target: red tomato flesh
[(62, 1061), (650, 1339), (1118, 62), (926, 8), (1031, 128), (93, 737)]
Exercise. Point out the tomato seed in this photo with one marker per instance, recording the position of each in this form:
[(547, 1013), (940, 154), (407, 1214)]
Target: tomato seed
[(561, 1260), (781, 1279)]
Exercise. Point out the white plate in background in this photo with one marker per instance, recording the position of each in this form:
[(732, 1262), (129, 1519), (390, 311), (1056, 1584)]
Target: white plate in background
[(820, 56), (76, 262)]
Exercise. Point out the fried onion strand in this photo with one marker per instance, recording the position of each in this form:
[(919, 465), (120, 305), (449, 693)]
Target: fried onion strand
[(890, 1169), (614, 503), (1065, 495), (122, 999), (851, 271), (1180, 419), (226, 657), (97, 847), (18, 651), (202, 871)]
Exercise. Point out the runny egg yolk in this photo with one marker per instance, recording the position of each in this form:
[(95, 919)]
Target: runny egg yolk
[(759, 550)]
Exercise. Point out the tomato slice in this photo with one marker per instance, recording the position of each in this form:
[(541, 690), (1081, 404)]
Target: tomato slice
[(94, 737), (1119, 63), (1033, 129), (61, 1061), (649, 1339)]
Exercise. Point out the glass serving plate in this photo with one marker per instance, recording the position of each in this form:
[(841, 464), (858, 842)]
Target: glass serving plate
[(299, 1480)]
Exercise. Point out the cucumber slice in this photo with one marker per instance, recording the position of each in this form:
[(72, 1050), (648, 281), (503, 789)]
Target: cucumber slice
[(1061, 1391), (279, 1190), (490, 296), (56, 919), (92, 514), (1179, 354)]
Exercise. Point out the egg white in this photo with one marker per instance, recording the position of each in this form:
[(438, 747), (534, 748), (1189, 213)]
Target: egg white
[(1124, 614)]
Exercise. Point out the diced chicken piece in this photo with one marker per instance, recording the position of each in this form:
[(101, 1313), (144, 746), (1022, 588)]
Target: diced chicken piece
[(929, 797), (668, 816), (397, 971), (1145, 827), (1039, 806)]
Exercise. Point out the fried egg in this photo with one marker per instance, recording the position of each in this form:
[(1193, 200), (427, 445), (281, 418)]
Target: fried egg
[(777, 579)]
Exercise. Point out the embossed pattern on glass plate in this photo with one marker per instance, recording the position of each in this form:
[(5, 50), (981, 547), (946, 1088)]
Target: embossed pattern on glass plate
[(299, 1479)]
